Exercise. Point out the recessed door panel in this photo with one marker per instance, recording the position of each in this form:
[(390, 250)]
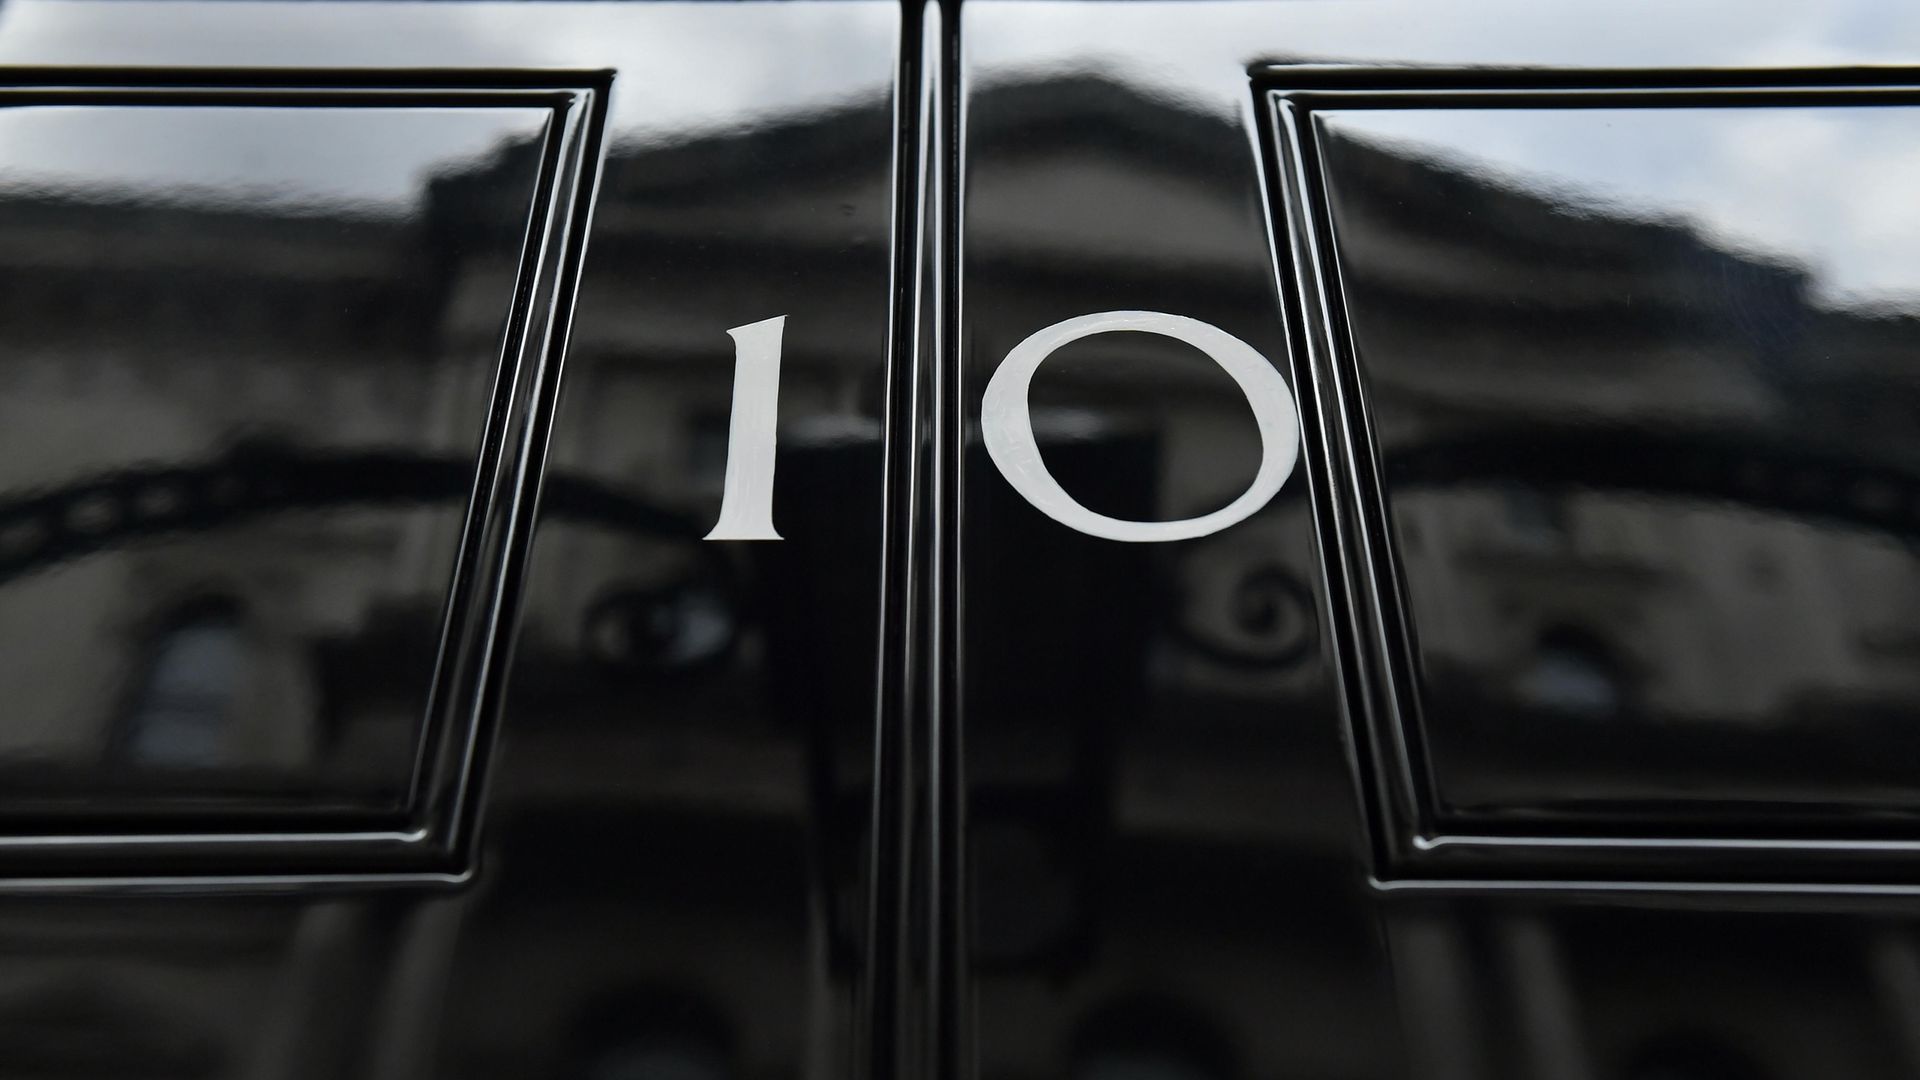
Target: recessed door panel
[(1621, 405), (249, 357), (1642, 390)]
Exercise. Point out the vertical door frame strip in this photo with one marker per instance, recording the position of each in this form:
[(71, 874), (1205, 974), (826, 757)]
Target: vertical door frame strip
[(911, 999)]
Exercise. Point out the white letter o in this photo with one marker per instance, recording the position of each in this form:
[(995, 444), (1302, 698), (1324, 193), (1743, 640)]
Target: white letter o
[(1007, 426)]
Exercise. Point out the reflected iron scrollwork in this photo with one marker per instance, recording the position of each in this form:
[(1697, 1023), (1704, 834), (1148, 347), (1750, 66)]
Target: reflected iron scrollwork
[(255, 378), (1648, 467)]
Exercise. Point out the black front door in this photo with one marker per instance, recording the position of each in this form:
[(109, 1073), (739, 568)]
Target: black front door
[(1105, 540)]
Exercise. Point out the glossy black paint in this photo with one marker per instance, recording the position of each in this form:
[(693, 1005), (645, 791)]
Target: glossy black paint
[(165, 367), (669, 871), (1145, 165), (936, 786), (1637, 416), (264, 719), (1156, 785)]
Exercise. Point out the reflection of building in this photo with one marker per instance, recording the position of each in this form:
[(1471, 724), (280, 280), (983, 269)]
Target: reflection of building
[(193, 394), (1716, 604), (675, 839), (148, 338), (1642, 496)]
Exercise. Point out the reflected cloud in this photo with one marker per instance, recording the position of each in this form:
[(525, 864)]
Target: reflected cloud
[(263, 158), (686, 66), (1826, 189)]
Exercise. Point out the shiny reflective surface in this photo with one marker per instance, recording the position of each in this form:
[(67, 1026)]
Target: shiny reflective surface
[(1643, 394), (679, 814), (669, 874), (1111, 162), (1638, 992), (1042, 805), (1161, 833), (249, 353)]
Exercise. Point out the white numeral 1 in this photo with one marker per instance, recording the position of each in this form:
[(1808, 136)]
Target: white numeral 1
[(746, 507)]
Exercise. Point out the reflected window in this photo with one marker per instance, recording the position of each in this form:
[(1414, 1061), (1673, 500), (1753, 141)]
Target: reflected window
[(1151, 1039), (1537, 520), (707, 438), (1572, 672), (1139, 1066), (1688, 1056), (681, 626), (661, 1059), (655, 1033), (184, 711)]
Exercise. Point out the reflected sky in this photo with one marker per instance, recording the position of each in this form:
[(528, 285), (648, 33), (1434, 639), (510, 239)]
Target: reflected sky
[(1215, 44), (1830, 189), (1770, 179), (686, 67), (338, 159)]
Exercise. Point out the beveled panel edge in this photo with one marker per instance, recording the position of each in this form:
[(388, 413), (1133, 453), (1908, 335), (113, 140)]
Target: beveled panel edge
[(431, 842), (1410, 849)]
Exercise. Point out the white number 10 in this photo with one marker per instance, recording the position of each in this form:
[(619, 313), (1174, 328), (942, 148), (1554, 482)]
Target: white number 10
[(746, 507)]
